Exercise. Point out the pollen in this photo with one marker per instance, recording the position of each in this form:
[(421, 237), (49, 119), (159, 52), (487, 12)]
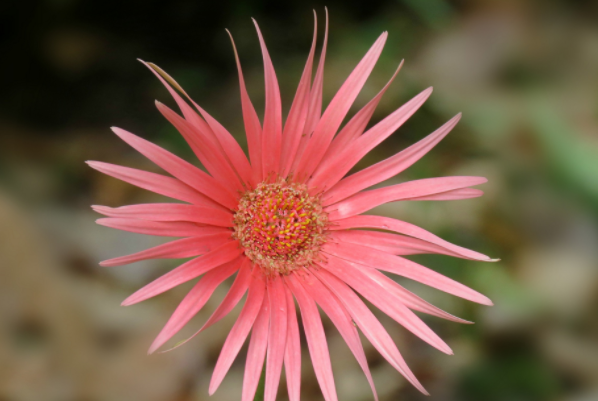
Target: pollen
[(280, 226)]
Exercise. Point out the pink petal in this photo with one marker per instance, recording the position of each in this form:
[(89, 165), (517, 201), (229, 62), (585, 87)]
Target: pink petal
[(272, 134), (387, 223), (332, 170), (395, 264), (368, 200), (187, 271), (194, 301), (277, 336), (233, 296), (455, 194), (179, 168), (208, 150), (256, 352), (341, 319), (392, 307), (314, 109), (180, 248), (170, 212), (337, 110), (157, 183), (409, 299), (390, 243), (238, 334), (164, 229), (355, 127), (387, 168), (253, 127), (293, 128), (316, 338), (292, 355), (369, 325), (227, 145), (231, 148), (188, 112)]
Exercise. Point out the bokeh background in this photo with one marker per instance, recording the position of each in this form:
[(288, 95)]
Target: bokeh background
[(525, 76)]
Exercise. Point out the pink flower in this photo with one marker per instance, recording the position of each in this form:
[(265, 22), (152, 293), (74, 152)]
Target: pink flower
[(288, 223)]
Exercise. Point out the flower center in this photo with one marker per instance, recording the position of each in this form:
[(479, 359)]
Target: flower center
[(280, 226)]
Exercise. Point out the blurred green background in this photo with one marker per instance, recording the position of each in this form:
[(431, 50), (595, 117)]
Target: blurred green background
[(525, 76)]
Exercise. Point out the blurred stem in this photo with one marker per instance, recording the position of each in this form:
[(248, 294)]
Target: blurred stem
[(259, 393)]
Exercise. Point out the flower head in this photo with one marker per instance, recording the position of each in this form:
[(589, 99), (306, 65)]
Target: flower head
[(288, 222)]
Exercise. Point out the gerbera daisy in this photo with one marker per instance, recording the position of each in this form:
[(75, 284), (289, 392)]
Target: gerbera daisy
[(288, 222)]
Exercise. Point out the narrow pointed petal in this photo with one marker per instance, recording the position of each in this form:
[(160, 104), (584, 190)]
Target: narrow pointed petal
[(341, 319), (212, 129), (316, 338), (277, 336), (272, 133), (359, 281), (314, 108), (455, 194), (387, 168), (337, 110), (367, 200), (396, 292), (194, 301), (153, 182), (293, 128), (394, 244), (187, 271), (238, 334), (187, 111), (355, 127), (201, 137), (253, 127), (401, 227), (232, 150), (369, 325), (331, 171), (160, 228), (179, 168), (256, 353), (233, 296), (208, 151), (170, 212), (180, 248), (292, 355), (395, 264)]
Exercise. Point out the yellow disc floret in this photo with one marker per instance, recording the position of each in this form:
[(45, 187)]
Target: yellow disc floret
[(280, 226)]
